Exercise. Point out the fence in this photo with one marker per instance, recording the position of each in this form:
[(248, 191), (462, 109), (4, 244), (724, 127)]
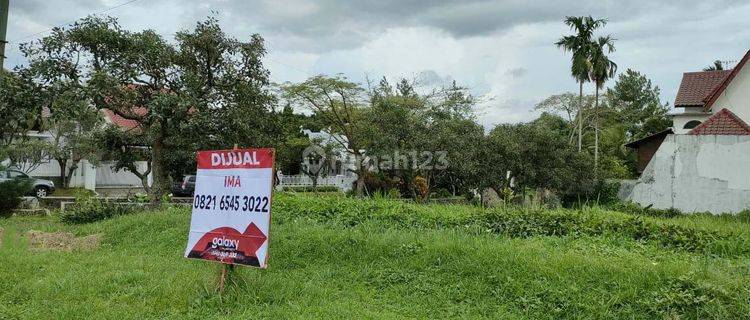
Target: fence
[(343, 182)]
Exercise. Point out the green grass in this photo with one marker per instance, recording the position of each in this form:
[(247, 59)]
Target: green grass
[(340, 258)]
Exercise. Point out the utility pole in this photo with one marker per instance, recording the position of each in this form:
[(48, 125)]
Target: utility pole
[(4, 5)]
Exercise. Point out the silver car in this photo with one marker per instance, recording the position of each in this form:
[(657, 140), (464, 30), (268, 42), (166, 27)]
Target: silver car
[(41, 188)]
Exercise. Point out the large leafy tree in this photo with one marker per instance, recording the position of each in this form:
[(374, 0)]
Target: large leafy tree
[(536, 154), (341, 105), (636, 104), (205, 82), (602, 69), (579, 44), (55, 66)]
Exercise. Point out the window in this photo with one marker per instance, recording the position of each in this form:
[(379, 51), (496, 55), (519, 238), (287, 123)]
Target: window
[(691, 124), (16, 174)]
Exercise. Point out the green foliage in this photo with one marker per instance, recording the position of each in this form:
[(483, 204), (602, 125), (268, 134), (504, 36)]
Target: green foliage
[(20, 106), (91, 209), (637, 105), (11, 192), (537, 156), (517, 222)]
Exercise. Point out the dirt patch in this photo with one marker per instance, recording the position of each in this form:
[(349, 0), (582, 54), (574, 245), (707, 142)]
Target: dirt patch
[(62, 241)]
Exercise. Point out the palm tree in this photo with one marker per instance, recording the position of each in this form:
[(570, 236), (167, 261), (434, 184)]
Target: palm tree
[(602, 69), (718, 65), (579, 44)]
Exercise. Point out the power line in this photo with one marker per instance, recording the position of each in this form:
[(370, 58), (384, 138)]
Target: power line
[(71, 22)]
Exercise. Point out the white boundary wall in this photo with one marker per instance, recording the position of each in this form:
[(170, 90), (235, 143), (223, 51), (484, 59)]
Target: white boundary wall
[(695, 173)]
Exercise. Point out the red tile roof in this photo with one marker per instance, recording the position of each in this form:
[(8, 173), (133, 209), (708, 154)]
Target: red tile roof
[(696, 87), (724, 122), (125, 124)]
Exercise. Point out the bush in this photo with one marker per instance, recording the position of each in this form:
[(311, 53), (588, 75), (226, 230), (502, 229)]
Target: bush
[(11, 192), (89, 209)]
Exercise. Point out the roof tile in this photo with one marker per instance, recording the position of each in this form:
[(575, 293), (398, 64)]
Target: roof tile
[(696, 87), (723, 122)]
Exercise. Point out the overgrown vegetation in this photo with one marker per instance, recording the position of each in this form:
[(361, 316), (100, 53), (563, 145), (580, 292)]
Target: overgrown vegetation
[(334, 257), (91, 209), (11, 192)]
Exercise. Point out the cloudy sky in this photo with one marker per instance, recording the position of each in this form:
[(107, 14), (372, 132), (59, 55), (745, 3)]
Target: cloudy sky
[(502, 50)]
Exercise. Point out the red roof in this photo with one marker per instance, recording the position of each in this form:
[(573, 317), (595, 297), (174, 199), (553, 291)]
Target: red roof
[(703, 88), (724, 122), (125, 124), (697, 86)]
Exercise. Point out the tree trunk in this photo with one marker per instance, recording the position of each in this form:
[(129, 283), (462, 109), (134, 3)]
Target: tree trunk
[(160, 181), (63, 177), (580, 115), (596, 131)]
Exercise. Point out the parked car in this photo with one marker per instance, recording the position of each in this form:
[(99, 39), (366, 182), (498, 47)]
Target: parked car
[(40, 187), (184, 188)]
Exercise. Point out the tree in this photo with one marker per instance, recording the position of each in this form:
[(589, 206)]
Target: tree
[(579, 45), (635, 111), (20, 106), (205, 82), (26, 155), (54, 65), (637, 105), (567, 105), (536, 155), (602, 69), (718, 65), (341, 105)]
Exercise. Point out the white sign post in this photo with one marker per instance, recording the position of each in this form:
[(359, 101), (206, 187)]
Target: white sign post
[(232, 207)]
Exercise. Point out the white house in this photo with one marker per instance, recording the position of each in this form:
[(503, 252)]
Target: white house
[(87, 175), (702, 164), (703, 94)]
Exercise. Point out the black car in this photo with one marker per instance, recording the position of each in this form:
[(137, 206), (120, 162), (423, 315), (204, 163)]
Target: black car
[(184, 188)]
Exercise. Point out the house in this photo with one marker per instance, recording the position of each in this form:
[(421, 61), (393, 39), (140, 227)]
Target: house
[(703, 164), (717, 101), (339, 174), (102, 177)]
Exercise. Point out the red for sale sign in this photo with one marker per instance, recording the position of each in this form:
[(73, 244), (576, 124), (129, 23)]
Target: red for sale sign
[(232, 207)]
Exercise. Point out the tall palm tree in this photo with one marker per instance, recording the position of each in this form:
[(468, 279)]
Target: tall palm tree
[(718, 65), (579, 45), (602, 69)]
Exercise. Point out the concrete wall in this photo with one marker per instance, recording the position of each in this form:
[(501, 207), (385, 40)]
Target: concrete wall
[(697, 174)]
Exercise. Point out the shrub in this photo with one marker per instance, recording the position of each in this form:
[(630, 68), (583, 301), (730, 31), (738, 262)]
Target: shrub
[(89, 209), (11, 192), (515, 222)]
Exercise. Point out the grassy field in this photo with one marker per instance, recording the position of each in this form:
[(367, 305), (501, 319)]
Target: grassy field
[(338, 258)]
